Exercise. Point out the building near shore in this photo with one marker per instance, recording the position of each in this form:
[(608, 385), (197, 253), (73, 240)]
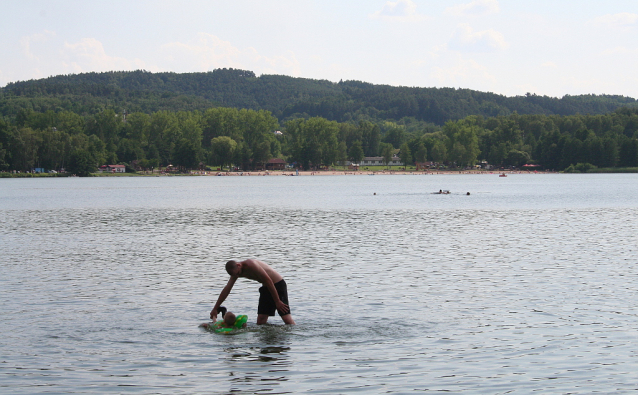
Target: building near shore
[(377, 161), (276, 164), (112, 169)]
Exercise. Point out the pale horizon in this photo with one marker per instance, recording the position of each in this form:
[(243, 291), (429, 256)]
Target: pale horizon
[(548, 49)]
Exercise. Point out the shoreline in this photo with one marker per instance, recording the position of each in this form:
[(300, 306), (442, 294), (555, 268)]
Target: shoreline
[(288, 173), (355, 173), (281, 173)]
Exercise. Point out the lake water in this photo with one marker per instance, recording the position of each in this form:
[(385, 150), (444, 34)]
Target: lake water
[(526, 285)]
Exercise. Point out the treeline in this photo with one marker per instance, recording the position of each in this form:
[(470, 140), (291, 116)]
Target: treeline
[(249, 138), (285, 97)]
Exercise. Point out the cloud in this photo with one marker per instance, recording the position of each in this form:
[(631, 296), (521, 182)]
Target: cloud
[(208, 52), (475, 8), (89, 55), (399, 10), (466, 40), (27, 41), (622, 20), (463, 73)]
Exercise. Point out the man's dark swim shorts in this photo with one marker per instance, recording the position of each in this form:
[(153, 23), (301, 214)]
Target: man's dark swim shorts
[(267, 303)]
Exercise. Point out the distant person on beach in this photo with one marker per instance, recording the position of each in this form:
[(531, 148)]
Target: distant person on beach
[(273, 294)]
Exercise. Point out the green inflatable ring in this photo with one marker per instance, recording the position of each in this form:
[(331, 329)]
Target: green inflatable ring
[(219, 327)]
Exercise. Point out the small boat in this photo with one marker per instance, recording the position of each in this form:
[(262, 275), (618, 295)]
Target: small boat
[(502, 175)]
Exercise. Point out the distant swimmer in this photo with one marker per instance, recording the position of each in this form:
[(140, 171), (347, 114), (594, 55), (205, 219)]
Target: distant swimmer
[(273, 294)]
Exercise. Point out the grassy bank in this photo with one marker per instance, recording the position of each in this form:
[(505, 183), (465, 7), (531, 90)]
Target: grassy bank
[(614, 170)]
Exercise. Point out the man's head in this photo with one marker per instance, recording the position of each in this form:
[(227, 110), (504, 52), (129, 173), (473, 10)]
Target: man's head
[(229, 319), (233, 268)]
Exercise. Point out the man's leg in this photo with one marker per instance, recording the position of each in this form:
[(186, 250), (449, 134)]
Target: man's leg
[(262, 319), (288, 319)]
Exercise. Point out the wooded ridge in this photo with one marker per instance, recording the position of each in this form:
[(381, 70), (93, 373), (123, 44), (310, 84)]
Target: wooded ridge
[(231, 117), (285, 97)]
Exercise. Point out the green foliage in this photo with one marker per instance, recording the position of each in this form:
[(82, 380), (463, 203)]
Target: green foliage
[(462, 141), (314, 142), (517, 158), (81, 163), (288, 98), (405, 155), (157, 119), (580, 168), (186, 154), (222, 150), (387, 151), (356, 152), (4, 165)]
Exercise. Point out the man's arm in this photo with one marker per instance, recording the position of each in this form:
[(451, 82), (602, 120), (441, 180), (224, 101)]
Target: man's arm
[(222, 296)]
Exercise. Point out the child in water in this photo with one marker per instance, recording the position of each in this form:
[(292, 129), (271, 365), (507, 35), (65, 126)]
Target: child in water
[(229, 322)]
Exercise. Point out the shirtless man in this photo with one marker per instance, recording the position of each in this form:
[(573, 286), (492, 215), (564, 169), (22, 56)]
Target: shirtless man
[(273, 294)]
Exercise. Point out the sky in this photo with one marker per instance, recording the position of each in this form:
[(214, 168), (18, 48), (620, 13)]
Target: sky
[(510, 47)]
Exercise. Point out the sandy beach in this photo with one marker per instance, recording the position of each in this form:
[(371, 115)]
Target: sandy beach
[(256, 173)]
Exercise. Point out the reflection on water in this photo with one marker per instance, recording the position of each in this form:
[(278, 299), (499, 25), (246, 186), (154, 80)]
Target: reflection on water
[(466, 299)]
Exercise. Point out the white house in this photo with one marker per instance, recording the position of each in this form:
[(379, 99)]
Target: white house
[(378, 161), (112, 169)]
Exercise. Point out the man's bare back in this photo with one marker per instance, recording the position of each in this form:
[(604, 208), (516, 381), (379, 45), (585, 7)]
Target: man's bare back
[(272, 282), (250, 269)]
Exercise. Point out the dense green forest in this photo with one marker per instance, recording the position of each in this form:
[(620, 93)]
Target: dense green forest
[(231, 117), (285, 97), (247, 139)]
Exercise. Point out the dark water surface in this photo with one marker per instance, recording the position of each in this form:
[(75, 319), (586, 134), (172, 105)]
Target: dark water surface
[(527, 285)]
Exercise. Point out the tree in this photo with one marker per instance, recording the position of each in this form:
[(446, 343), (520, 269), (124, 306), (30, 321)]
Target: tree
[(81, 163), (222, 150), (356, 152), (105, 125), (221, 121), (371, 136), (148, 164), (610, 152), (463, 141), (394, 136), (3, 163), (243, 155), (342, 153), (24, 148), (439, 152), (185, 154), (54, 149), (97, 149), (387, 150), (129, 150), (69, 122), (421, 154), (136, 127), (628, 152), (517, 158), (405, 155), (261, 153), (163, 134)]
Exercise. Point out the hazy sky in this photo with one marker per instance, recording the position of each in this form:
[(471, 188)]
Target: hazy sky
[(510, 47)]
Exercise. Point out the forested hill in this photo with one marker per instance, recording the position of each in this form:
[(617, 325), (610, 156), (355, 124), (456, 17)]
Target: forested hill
[(285, 97)]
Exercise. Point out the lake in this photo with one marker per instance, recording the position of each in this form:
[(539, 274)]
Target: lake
[(526, 285)]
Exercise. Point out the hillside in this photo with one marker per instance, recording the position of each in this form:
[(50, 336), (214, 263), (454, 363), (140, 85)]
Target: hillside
[(286, 97)]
